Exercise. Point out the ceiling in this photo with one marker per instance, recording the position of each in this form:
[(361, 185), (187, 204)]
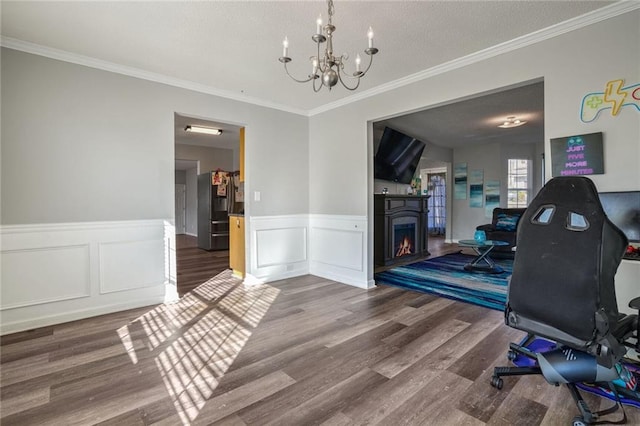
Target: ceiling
[(229, 138), (476, 120), (231, 48)]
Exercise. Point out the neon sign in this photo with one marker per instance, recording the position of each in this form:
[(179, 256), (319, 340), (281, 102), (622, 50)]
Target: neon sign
[(614, 97), (577, 155)]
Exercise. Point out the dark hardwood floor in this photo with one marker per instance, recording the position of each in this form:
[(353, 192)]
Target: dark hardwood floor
[(300, 351), (195, 266)]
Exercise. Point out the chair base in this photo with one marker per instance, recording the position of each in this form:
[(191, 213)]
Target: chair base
[(524, 356)]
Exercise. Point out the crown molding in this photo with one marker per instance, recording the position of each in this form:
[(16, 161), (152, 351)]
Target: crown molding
[(607, 12), (87, 61)]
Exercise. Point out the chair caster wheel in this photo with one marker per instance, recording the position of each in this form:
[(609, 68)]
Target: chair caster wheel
[(579, 421), (511, 355), (497, 382)]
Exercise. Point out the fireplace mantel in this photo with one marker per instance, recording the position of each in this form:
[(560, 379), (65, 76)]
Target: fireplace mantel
[(400, 228)]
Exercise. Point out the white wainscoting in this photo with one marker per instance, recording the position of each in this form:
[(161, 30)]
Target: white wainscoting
[(52, 273), (279, 247), (338, 249)]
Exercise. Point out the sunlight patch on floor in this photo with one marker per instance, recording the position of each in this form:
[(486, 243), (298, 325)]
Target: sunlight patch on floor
[(198, 337)]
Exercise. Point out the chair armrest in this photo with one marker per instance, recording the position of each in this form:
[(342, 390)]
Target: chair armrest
[(487, 227)]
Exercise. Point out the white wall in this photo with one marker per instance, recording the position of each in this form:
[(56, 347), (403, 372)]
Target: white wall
[(87, 149), (572, 65)]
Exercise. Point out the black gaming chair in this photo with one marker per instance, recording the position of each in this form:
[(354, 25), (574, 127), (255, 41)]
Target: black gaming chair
[(562, 289)]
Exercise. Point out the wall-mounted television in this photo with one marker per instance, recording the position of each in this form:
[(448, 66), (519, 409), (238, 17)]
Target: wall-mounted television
[(397, 157), (623, 209), (577, 155)]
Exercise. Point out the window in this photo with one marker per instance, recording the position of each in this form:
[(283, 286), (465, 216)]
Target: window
[(518, 183)]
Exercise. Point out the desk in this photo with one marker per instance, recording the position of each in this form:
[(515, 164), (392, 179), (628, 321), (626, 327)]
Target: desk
[(483, 261)]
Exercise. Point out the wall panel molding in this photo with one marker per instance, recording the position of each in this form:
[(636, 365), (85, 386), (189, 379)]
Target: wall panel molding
[(128, 265), (52, 273), (338, 248), (38, 268), (279, 247)]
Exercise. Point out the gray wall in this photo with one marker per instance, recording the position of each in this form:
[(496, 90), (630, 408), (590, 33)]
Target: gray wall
[(81, 144), (210, 158), (192, 202), (181, 177), (492, 160), (559, 60)]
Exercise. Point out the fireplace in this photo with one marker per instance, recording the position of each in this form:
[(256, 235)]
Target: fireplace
[(405, 236), (400, 228)]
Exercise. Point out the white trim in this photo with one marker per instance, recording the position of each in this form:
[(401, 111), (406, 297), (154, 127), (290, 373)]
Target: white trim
[(337, 217), (78, 314), (607, 12), (279, 218), (79, 226), (87, 61)]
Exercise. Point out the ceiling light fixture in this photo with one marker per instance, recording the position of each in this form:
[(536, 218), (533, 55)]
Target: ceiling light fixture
[(328, 66), (512, 122), (205, 130)]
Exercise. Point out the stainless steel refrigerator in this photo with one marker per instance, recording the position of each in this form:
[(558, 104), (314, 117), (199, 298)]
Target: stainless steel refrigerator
[(213, 219)]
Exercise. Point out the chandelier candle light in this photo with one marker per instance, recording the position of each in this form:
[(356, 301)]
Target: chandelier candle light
[(328, 66)]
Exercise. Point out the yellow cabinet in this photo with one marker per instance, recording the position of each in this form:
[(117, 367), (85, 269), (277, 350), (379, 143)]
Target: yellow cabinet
[(236, 245), (241, 155)]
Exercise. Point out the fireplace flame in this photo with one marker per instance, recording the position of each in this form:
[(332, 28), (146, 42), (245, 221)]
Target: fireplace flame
[(405, 247)]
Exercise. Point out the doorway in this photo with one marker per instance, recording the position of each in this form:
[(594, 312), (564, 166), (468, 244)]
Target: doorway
[(434, 182), (196, 154)]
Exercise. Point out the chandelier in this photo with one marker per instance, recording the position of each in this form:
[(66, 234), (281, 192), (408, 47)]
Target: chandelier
[(327, 67)]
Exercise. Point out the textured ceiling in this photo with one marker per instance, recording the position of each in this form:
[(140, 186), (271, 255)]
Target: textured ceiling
[(232, 47), (475, 121)]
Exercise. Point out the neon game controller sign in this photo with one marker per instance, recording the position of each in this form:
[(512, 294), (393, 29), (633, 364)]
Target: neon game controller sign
[(615, 97)]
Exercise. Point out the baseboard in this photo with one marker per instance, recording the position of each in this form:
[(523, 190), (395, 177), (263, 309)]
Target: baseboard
[(47, 320), (343, 279)]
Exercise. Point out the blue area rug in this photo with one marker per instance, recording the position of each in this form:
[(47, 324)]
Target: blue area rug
[(445, 276)]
